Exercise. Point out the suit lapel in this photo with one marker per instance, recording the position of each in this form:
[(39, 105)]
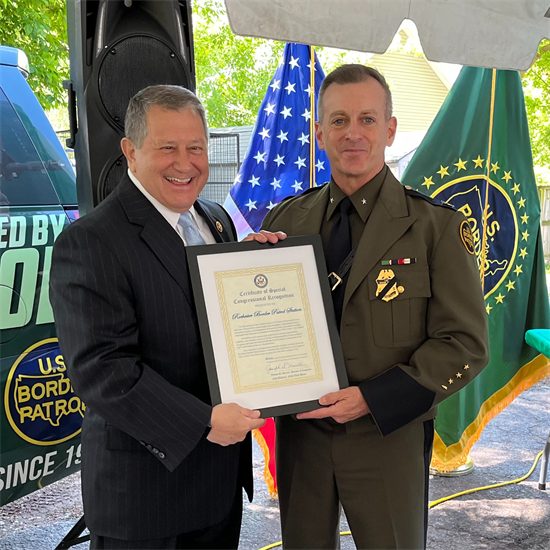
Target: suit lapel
[(388, 221), (157, 233), (221, 233)]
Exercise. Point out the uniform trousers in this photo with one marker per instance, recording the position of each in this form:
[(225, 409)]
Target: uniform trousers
[(223, 535), (380, 482)]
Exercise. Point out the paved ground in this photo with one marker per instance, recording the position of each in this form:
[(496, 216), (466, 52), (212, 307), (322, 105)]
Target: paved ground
[(516, 516)]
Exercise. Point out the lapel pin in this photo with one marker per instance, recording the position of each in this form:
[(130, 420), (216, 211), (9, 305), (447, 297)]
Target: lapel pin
[(219, 227)]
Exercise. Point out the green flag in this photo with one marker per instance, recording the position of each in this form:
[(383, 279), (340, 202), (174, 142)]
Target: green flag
[(477, 157)]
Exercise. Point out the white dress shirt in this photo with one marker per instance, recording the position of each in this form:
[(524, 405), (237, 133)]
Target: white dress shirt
[(172, 217)]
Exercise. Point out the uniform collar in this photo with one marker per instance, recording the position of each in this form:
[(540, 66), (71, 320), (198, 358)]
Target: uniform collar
[(363, 199)]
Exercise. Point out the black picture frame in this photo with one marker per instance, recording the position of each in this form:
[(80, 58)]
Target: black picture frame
[(196, 252)]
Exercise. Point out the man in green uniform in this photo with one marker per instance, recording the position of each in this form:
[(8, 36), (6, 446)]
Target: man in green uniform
[(412, 325)]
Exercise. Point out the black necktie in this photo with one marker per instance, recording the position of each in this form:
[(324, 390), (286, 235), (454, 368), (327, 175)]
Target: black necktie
[(339, 249)]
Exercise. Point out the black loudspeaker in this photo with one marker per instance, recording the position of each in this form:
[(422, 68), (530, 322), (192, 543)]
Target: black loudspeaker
[(116, 48)]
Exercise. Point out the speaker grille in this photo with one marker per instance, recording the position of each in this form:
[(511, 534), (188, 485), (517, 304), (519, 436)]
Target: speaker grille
[(133, 64), (113, 177)]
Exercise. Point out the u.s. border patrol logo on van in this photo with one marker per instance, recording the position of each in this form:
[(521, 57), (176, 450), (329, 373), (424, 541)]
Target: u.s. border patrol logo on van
[(40, 403), (493, 203)]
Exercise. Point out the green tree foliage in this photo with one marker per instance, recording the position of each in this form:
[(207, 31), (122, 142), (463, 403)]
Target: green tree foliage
[(39, 28), (233, 72), (536, 87)]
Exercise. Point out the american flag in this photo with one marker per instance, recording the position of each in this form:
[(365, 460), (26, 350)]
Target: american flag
[(278, 163)]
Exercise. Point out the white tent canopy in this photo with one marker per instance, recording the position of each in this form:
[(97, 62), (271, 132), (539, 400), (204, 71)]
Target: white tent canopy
[(502, 34)]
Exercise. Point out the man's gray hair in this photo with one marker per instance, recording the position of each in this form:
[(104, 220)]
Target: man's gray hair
[(353, 73), (173, 98)]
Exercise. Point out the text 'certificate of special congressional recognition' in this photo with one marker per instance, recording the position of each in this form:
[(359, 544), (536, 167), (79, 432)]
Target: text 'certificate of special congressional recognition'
[(268, 331)]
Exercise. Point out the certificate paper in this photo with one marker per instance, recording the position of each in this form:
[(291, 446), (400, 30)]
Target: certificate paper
[(268, 327), (267, 324)]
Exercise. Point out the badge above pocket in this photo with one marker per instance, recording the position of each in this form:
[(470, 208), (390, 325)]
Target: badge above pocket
[(387, 285)]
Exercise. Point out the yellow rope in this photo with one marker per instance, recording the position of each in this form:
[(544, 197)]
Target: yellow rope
[(476, 489), (445, 499), (312, 119), (488, 186)]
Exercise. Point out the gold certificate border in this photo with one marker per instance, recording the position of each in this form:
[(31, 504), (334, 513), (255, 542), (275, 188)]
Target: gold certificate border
[(237, 386)]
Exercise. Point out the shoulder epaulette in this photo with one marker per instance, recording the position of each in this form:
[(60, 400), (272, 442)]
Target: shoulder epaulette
[(413, 193)]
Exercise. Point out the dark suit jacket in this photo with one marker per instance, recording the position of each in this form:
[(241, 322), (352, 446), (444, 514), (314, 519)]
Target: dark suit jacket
[(127, 327), (410, 353)]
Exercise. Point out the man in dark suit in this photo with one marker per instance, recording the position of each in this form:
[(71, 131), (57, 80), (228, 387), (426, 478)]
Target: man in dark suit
[(161, 468), (412, 325)]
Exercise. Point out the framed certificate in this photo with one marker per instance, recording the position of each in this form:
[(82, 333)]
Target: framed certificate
[(267, 324)]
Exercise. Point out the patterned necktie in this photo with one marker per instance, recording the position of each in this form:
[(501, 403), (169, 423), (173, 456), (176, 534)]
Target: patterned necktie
[(339, 249), (192, 234)]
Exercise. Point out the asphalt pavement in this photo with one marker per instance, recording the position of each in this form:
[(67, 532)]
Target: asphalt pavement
[(516, 516)]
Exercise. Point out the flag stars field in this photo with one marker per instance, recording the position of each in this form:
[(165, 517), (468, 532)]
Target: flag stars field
[(524, 218), (495, 167), (521, 203), (524, 236), (500, 298), (279, 159), (518, 270), (523, 253), (507, 177), (510, 285), (515, 188)]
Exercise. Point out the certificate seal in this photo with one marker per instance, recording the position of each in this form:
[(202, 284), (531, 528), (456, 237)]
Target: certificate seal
[(260, 280)]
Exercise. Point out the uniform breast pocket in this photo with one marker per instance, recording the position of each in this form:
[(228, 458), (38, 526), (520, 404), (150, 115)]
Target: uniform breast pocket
[(401, 321)]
